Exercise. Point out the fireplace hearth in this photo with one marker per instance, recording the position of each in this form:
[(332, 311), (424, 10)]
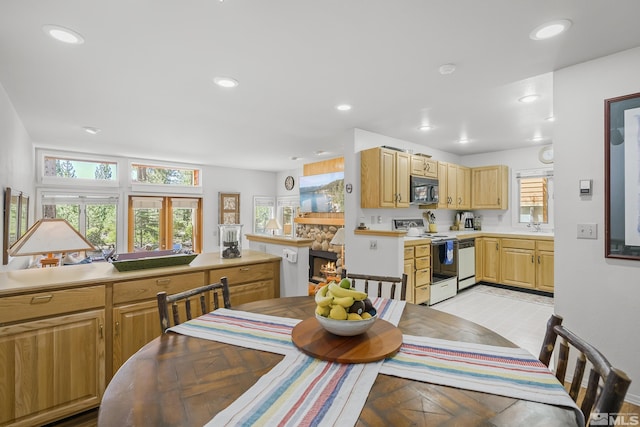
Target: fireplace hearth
[(318, 261)]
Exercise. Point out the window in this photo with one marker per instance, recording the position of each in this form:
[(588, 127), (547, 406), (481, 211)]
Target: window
[(535, 197), (80, 169), (263, 211), (161, 223), (287, 210), (164, 175), (94, 216)]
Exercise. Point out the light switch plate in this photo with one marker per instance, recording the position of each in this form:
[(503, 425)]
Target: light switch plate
[(587, 231)]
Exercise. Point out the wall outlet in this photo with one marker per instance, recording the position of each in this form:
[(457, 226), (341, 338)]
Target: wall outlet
[(587, 231), (373, 244)]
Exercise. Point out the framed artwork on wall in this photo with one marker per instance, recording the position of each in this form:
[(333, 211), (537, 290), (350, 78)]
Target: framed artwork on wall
[(622, 177), (229, 208), (12, 229)]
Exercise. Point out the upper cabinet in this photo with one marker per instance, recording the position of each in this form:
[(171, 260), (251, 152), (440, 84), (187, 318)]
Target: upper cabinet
[(490, 188), (384, 178), (424, 166), (454, 186)]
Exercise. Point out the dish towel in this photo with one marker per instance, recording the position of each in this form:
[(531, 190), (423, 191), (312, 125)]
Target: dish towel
[(511, 372), (446, 252)]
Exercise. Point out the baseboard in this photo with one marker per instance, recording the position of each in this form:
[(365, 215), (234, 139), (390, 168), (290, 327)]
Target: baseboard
[(518, 289)]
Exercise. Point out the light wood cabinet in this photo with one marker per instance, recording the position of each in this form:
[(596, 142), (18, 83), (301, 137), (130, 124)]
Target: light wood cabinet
[(490, 248), (454, 186), (135, 311), (51, 367), (463, 187), (424, 166), (545, 265), (384, 178), (490, 187), (248, 283), (417, 266), (517, 261)]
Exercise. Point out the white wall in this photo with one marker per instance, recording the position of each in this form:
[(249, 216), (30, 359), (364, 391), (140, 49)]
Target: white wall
[(16, 162), (598, 297)]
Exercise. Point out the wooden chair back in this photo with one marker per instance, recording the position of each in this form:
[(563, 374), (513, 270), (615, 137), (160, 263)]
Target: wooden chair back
[(164, 301), (382, 281), (607, 385)]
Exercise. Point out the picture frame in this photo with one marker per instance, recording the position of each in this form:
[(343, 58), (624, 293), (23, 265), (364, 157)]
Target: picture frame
[(23, 219), (229, 208), (11, 230), (622, 177)]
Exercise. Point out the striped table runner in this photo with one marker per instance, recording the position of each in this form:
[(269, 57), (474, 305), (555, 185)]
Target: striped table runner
[(302, 390)]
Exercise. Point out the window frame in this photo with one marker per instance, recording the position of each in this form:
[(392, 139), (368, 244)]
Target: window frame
[(77, 182), (269, 201), (164, 188), (533, 173)]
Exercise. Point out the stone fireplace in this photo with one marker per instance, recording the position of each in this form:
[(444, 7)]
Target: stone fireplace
[(321, 252)]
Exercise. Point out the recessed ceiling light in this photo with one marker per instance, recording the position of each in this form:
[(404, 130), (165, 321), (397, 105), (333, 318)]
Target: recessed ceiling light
[(319, 152), (226, 82), (463, 141), (294, 158), (447, 69), (91, 130), (537, 139), (529, 98), (343, 107), (550, 29), (551, 119), (425, 127), (62, 34)]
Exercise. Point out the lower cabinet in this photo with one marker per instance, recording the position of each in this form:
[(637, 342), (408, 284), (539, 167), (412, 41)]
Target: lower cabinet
[(249, 283), (417, 267), (54, 367), (525, 263)]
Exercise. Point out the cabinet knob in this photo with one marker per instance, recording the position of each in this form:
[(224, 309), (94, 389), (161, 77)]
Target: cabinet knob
[(538, 259), (161, 282), (532, 261), (498, 200), (41, 299)]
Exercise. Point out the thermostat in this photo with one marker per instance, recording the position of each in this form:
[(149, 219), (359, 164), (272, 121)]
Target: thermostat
[(585, 187)]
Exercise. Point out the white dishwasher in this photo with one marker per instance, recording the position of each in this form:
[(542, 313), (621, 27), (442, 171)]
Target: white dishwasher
[(466, 263)]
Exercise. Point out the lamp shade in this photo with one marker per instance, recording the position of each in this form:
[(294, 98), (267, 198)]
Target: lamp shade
[(50, 236), (273, 224), (338, 238)]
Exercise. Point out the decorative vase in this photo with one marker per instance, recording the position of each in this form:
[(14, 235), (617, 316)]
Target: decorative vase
[(230, 240)]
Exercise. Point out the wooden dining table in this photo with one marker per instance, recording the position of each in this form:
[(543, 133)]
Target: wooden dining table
[(177, 380)]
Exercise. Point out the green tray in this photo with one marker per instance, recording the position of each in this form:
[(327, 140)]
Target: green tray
[(153, 262)]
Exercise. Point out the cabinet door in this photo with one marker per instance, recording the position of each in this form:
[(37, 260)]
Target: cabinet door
[(388, 193), (489, 187), (51, 368), (417, 166), (518, 267), (430, 168), (544, 270), (452, 186), (491, 259), (479, 259), (442, 186), (134, 325), (403, 161), (463, 187), (249, 292), (408, 270)]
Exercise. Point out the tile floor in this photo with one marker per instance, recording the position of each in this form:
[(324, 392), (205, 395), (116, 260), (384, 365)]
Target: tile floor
[(518, 316)]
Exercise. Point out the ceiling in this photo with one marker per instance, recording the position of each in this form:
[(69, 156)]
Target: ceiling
[(144, 74)]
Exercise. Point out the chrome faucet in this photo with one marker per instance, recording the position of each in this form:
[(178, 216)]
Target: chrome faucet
[(535, 225)]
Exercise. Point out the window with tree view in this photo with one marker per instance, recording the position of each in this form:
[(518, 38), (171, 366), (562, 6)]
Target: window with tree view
[(95, 217), (99, 170), (153, 174)]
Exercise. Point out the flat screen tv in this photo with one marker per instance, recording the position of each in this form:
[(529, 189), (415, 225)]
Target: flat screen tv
[(322, 193)]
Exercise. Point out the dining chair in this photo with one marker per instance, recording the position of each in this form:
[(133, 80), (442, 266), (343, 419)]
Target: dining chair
[(607, 385), (201, 292), (383, 281)]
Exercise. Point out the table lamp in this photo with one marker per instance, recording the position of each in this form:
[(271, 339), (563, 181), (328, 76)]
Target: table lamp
[(49, 236), (273, 225), (338, 240)]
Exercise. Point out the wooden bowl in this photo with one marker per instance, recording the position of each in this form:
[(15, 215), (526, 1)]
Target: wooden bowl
[(347, 328)]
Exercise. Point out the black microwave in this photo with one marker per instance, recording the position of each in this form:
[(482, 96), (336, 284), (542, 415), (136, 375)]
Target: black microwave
[(424, 191)]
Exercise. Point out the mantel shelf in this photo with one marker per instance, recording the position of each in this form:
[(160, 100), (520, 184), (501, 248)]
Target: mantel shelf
[(320, 221)]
